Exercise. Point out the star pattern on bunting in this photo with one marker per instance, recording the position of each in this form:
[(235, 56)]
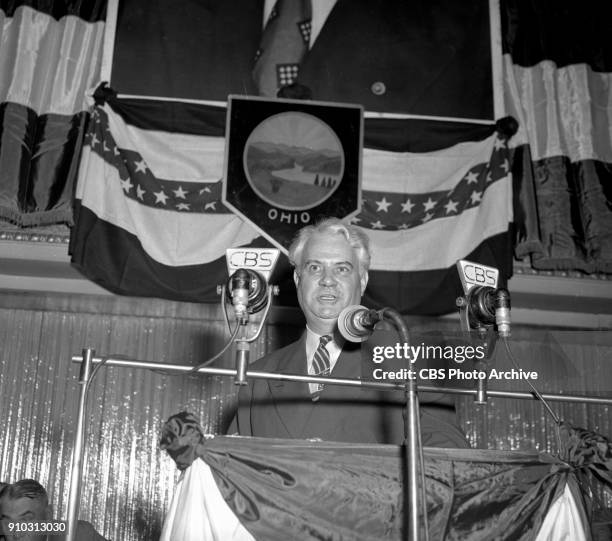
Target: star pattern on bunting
[(381, 210), (180, 193), (383, 205), (140, 184), (429, 204), (476, 197), (407, 206), (160, 197), (141, 166), (389, 211), (451, 206), (126, 185), (471, 178)]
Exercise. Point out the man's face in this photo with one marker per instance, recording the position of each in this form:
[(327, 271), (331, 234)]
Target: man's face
[(22, 510), (328, 280)]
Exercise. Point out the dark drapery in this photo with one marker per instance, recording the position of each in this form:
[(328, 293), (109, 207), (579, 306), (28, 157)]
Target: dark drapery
[(558, 63), (323, 490), (50, 55)]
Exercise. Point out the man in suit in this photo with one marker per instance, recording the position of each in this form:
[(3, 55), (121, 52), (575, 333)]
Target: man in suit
[(331, 262), (27, 501)]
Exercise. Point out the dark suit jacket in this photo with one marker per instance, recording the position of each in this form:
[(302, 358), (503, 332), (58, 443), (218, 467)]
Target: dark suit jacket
[(284, 409), (429, 57)]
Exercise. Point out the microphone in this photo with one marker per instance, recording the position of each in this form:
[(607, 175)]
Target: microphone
[(502, 312), (356, 323), (240, 287), (484, 303), (247, 289), (487, 306), (247, 286)]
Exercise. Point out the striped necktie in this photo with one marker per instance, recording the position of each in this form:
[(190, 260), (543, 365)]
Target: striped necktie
[(321, 363), (283, 45)]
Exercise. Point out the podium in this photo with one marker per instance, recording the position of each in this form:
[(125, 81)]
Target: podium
[(270, 489), (524, 493)]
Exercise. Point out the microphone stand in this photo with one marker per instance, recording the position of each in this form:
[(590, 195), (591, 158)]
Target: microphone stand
[(413, 451), (76, 463), (243, 340), (242, 354), (487, 340)]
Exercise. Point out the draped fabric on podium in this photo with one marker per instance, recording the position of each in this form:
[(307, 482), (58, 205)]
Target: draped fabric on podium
[(558, 85), (319, 490), (50, 55)]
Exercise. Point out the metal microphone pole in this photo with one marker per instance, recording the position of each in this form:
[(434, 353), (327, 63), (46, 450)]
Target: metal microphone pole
[(242, 354), (76, 468), (413, 452), (487, 341)]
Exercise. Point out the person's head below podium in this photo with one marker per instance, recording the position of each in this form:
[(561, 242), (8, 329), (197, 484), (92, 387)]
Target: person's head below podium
[(27, 501), (331, 261), (23, 501)]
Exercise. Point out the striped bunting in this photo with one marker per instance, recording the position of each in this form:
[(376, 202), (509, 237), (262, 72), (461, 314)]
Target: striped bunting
[(409, 200)]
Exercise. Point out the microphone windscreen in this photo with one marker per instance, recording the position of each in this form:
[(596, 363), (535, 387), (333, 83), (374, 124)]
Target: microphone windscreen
[(349, 326)]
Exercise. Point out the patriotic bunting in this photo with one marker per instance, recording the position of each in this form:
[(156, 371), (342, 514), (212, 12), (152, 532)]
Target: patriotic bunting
[(150, 220), (162, 191)]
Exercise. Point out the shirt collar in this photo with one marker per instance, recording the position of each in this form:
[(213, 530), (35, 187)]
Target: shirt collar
[(312, 343)]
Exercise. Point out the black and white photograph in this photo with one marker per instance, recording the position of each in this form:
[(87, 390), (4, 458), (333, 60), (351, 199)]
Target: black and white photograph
[(305, 270)]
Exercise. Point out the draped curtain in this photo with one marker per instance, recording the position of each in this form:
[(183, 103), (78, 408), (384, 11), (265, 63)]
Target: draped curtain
[(320, 490), (558, 85), (50, 55)]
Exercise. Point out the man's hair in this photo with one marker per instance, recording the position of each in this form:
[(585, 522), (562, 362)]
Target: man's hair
[(25, 488), (333, 226)]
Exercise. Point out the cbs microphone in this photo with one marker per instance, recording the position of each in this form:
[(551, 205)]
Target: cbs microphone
[(484, 302), (249, 270), (240, 288), (487, 306), (356, 323)]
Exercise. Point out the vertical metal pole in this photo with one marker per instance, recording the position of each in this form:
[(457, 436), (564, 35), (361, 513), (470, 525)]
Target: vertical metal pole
[(242, 355), (242, 362), (76, 469), (413, 450)]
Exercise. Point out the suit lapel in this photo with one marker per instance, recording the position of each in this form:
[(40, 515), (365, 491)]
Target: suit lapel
[(292, 399), (349, 361)]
